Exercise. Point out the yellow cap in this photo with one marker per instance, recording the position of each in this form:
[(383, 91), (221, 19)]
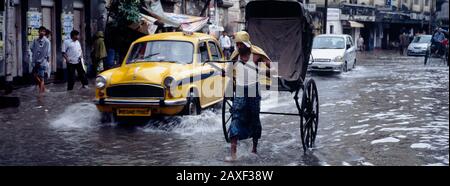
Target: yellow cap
[(243, 37)]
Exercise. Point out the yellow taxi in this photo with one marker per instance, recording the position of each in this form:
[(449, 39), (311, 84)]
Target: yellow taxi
[(164, 74)]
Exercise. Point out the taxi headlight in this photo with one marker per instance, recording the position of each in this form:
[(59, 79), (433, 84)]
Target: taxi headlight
[(338, 59), (100, 82), (168, 82)]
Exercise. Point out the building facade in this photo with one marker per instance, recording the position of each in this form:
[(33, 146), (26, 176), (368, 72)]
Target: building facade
[(20, 21), (379, 22)]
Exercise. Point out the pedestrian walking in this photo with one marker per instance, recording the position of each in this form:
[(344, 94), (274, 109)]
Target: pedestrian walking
[(361, 43), (403, 43), (99, 54), (245, 121), (225, 43), (73, 54), (39, 58)]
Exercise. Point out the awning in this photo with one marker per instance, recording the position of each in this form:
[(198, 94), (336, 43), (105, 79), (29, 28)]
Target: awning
[(355, 24), (156, 13), (145, 25), (187, 22)]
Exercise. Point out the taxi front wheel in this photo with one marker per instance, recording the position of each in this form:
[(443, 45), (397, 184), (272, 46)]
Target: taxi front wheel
[(107, 117), (192, 106)]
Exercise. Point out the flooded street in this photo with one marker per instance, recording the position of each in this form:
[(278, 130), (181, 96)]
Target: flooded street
[(390, 110)]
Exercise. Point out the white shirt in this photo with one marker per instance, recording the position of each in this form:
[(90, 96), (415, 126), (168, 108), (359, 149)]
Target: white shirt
[(246, 74), (361, 40), (225, 41), (73, 51)]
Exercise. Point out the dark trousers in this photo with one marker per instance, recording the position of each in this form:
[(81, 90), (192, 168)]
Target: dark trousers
[(71, 75), (226, 53), (95, 65)]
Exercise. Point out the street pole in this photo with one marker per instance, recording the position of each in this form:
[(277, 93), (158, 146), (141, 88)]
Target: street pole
[(432, 16), (324, 24)]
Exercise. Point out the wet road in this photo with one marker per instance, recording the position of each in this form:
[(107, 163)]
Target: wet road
[(390, 110)]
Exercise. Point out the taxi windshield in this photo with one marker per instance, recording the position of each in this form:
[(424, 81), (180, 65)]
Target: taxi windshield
[(161, 51), (328, 42)]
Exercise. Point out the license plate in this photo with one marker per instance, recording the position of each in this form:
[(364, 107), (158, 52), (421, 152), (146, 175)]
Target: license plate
[(133, 112)]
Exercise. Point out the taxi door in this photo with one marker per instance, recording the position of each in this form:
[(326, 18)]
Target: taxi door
[(212, 81)]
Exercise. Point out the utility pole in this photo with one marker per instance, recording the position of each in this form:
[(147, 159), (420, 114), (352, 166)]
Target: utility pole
[(324, 21), (432, 16)]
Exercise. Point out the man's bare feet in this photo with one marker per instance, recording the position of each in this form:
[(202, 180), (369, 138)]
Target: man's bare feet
[(230, 158), (255, 146), (254, 151)]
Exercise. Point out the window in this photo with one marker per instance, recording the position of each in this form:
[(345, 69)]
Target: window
[(203, 52), (427, 2), (349, 41), (422, 39), (405, 1), (416, 2), (328, 42), (161, 51), (331, 29), (215, 53)]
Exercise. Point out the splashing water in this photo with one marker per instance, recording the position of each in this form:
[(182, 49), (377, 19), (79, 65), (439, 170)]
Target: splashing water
[(77, 116), (205, 123)]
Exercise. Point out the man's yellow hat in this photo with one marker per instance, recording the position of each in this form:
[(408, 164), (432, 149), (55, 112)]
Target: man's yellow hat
[(243, 37)]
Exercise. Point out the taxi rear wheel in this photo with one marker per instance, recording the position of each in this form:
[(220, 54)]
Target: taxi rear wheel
[(192, 106)]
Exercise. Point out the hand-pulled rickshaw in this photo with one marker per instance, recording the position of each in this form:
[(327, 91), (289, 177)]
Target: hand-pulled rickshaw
[(438, 51), (283, 29)]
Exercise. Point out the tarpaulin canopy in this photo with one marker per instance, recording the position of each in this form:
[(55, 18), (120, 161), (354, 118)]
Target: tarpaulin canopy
[(156, 13), (284, 31), (187, 22)]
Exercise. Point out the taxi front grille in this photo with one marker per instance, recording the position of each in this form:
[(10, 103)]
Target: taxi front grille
[(135, 91)]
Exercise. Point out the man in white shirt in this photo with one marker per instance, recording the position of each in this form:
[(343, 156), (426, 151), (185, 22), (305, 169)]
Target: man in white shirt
[(225, 43), (73, 54), (361, 43)]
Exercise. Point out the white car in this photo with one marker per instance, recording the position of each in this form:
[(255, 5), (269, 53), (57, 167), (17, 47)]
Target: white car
[(331, 52), (419, 45)]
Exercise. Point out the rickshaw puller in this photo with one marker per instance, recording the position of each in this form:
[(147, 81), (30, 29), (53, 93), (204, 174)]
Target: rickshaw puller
[(245, 121)]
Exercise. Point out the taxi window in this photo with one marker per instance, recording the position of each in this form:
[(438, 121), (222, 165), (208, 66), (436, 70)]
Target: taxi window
[(215, 53), (161, 51), (203, 52)]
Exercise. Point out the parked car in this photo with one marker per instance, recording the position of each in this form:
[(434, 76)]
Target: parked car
[(419, 45), (163, 74), (331, 52)]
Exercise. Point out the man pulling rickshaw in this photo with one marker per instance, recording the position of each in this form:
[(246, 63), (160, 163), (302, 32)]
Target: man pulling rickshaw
[(245, 122)]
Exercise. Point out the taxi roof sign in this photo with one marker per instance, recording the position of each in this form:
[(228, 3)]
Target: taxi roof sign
[(188, 33)]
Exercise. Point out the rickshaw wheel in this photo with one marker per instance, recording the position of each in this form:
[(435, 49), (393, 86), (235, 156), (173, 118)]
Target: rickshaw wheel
[(227, 106), (227, 109), (426, 57), (309, 114)]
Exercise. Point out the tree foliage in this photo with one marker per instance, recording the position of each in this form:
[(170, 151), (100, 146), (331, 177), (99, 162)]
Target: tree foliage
[(124, 12), (121, 14)]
